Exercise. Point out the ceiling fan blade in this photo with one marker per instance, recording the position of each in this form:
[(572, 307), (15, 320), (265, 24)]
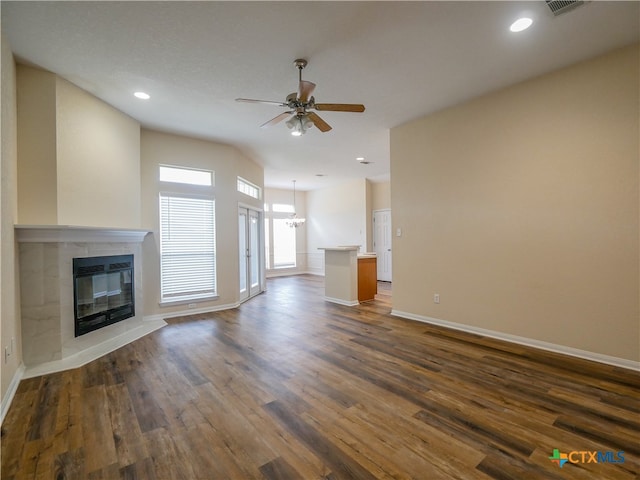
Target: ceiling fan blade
[(339, 107), (275, 120), (268, 102), (305, 89), (318, 122)]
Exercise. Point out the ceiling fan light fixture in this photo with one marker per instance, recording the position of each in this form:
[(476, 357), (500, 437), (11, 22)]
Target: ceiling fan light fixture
[(299, 124), (306, 123), (298, 128), (291, 122)]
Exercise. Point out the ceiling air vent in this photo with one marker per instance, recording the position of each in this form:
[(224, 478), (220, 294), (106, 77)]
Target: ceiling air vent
[(560, 6)]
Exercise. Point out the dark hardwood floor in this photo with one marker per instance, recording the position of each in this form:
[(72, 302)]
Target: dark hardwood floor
[(289, 386)]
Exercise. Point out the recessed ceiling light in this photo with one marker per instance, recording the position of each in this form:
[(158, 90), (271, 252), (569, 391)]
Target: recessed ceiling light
[(142, 95), (521, 24)]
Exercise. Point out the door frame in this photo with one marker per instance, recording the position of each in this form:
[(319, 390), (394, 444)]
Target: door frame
[(249, 209)]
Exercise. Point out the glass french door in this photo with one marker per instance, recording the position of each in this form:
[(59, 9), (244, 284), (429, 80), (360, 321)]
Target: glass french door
[(250, 253)]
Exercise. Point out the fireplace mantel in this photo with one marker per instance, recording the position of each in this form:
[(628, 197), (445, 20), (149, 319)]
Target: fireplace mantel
[(71, 233)]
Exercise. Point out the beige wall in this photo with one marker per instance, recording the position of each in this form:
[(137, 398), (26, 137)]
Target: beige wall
[(79, 157), (9, 290), (368, 216), (336, 215), (98, 152), (37, 170), (227, 162), (521, 209), (380, 195)]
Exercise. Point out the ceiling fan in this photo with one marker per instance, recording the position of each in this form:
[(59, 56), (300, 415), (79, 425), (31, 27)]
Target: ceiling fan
[(300, 119)]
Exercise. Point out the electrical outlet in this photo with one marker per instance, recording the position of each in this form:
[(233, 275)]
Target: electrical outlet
[(192, 305), (436, 298)]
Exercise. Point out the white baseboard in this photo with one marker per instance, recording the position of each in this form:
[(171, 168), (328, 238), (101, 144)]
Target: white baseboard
[(11, 391), (92, 353), (291, 273), (528, 342), (339, 301)]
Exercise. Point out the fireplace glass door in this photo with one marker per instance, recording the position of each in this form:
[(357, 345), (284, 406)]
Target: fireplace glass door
[(99, 293), (104, 291)]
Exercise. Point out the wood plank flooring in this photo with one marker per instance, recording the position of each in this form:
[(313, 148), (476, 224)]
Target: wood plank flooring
[(289, 386)]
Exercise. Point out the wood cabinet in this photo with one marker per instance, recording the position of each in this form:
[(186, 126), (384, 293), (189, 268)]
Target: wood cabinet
[(367, 278)]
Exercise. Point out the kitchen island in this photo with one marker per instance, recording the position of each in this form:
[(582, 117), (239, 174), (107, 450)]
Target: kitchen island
[(349, 278)]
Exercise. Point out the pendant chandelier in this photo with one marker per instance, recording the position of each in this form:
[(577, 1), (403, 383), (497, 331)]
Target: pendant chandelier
[(293, 221)]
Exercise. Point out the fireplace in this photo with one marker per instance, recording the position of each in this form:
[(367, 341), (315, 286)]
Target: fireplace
[(103, 291)]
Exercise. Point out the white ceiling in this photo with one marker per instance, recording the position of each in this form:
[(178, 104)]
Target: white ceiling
[(401, 59)]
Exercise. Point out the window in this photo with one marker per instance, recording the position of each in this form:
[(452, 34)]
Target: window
[(280, 238), (284, 244), (187, 176), (283, 208), (248, 188), (187, 235), (187, 247)]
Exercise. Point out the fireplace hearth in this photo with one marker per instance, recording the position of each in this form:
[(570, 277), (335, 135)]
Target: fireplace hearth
[(103, 291)]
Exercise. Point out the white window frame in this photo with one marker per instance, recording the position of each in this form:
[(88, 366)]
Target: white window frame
[(294, 264), (278, 211), (249, 189), (177, 170), (172, 295)]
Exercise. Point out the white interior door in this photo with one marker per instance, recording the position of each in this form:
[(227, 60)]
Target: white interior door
[(382, 243), (250, 258)]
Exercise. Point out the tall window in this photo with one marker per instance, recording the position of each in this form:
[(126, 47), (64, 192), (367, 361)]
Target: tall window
[(284, 244), (281, 245), (187, 241)]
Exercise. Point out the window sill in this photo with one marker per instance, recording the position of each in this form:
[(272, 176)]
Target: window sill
[(187, 301)]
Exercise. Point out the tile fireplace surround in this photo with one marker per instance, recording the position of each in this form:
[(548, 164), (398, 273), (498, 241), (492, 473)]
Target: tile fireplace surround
[(46, 295)]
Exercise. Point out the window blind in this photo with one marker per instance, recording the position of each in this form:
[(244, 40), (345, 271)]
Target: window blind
[(187, 247)]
